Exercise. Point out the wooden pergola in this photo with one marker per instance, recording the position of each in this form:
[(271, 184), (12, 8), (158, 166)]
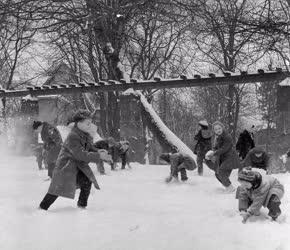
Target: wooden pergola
[(157, 83)]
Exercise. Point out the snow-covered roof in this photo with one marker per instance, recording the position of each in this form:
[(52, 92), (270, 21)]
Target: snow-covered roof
[(285, 82), (30, 98)]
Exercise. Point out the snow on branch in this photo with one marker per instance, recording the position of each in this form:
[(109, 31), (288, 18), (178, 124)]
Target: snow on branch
[(164, 135)]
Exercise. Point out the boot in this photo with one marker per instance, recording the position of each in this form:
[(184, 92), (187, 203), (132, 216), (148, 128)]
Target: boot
[(168, 179)]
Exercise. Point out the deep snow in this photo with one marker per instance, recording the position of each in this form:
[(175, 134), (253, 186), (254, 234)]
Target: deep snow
[(135, 210)]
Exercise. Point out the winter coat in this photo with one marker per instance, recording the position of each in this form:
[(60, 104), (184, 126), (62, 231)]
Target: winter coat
[(52, 142), (227, 157), (244, 144), (261, 195), (74, 156), (256, 162), (179, 161), (117, 150), (203, 138)]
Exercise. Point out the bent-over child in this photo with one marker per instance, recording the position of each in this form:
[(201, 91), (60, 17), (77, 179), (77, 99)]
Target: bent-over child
[(179, 163), (256, 191)]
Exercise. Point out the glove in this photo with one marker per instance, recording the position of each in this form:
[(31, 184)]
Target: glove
[(245, 215), (105, 156), (96, 185)]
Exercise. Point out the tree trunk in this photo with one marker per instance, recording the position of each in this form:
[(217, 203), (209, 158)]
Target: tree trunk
[(4, 115), (230, 109)]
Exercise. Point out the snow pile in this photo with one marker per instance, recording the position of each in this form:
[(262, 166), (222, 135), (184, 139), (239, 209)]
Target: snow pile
[(157, 216)]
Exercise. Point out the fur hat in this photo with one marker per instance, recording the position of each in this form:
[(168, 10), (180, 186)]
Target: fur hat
[(36, 124), (203, 123), (165, 157), (247, 174), (81, 115)]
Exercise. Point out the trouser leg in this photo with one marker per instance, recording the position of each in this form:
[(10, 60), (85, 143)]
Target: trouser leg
[(101, 168), (85, 185), (174, 171), (183, 174), (274, 206), (223, 176), (51, 167), (199, 161), (124, 160), (47, 201), (39, 161)]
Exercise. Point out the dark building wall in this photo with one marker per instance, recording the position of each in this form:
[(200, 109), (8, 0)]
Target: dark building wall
[(132, 127)]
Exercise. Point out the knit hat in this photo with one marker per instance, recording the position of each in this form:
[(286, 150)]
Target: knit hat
[(203, 123), (36, 124), (165, 157), (81, 115), (247, 174)]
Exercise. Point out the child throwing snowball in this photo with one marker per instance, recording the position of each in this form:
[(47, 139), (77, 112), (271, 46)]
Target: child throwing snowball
[(72, 167), (256, 191)]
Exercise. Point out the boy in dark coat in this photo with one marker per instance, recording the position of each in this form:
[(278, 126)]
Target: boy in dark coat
[(72, 169), (179, 162), (244, 144), (203, 138), (257, 158), (257, 191), (52, 142), (224, 155)]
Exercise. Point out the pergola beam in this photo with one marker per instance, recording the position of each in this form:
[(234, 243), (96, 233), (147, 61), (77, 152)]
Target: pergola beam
[(156, 83)]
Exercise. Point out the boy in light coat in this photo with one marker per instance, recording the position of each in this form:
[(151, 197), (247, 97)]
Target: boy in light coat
[(257, 191)]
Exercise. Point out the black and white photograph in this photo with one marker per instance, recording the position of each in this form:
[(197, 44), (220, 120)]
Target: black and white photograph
[(145, 124)]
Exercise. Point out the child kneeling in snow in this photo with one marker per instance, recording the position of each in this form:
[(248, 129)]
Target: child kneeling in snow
[(178, 163), (256, 191), (72, 167)]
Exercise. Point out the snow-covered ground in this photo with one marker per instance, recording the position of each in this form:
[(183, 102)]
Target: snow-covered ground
[(135, 210)]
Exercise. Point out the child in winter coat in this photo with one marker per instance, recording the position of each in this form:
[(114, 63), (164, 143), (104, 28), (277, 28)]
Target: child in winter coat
[(72, 169), (52, 142), (203, 138), (116, 150), (179, 162), (257, 191), (257, 158), (120, 150), (224, 155), (244, 144)]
